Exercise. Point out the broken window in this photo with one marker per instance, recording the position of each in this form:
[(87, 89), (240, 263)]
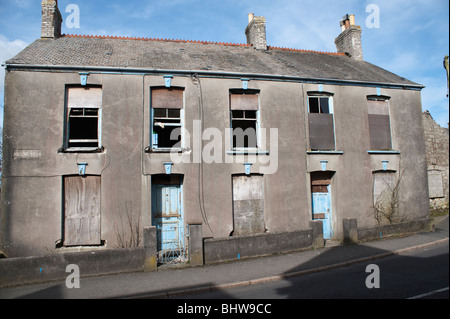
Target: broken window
[(321, 123), (244, 119), (83, 119), (379, 123), (167, 117)]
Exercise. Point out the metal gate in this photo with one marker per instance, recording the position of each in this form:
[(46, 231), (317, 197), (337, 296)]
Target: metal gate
[(167, 213)]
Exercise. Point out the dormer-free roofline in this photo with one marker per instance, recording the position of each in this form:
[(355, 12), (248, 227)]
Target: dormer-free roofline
[(210, 74)]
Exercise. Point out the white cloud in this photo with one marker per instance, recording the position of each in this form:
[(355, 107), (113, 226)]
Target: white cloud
[(8, 49)]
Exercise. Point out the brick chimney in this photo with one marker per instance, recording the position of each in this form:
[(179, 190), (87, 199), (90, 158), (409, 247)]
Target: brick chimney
[(51, 19), (349, 41), (256, 32)]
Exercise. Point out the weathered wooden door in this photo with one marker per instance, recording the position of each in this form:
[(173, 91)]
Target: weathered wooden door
[(321, 208), (81, 210), (321, 200), (168, 218)]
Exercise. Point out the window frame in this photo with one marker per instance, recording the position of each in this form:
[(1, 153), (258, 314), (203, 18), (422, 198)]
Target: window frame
[(320, 95), (256, 119), (68, 110), (386, 99), (154, 146)]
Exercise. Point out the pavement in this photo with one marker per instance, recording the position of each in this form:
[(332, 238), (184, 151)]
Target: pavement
[(171, 282)]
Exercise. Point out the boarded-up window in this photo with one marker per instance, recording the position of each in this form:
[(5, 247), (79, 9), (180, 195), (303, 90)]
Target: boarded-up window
[(244, 108), (167, 117), (83, 118), (379, 124), (384, 190), (81, 210), (321, 123), (435, 185), (248, 205)]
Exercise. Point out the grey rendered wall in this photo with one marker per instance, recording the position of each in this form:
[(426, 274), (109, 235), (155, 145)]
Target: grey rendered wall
[(34, 121), (32, 196)]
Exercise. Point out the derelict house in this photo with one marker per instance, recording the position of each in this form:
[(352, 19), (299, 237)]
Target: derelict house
[(104, 136)]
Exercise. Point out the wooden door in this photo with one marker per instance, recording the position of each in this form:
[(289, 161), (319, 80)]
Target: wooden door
[(321, 207), (82, 210), (321, 201), (168, 219)]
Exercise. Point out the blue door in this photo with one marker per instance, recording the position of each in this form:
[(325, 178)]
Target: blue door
[(321, 208), (167, 215)]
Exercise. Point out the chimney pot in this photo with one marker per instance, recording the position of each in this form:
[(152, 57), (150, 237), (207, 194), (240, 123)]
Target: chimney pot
[(352, 19), (347, 24), (349, 41), (250, 17)]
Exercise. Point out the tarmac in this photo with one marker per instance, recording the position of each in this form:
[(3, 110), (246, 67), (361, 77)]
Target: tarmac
[(174, 282)]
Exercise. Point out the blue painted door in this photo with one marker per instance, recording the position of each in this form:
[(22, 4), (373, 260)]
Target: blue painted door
[(168, 218), (321, 208)]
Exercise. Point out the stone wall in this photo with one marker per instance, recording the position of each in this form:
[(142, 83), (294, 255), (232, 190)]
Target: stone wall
[(256, 33), (437, 144)]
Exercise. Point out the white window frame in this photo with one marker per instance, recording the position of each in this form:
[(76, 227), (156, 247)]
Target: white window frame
[(67, 140)]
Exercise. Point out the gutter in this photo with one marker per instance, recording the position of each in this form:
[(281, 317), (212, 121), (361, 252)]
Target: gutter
[(210, 74)]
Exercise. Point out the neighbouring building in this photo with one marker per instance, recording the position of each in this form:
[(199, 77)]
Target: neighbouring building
[(106, 135), (437, 144)]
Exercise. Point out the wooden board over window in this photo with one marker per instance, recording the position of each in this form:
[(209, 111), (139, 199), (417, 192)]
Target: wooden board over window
[(82, 210), (244, 102), (321, 131), (435, 184), (84, 97), (167, 98), (379, 125), (320, 181)]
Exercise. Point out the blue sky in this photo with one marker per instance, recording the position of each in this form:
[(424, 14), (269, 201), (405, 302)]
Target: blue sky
[(411, 40)]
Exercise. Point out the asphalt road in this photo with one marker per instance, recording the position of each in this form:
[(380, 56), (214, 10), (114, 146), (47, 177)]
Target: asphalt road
[(420, 274)]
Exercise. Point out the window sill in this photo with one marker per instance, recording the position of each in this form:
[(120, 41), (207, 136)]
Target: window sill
[(383, 152), (81, 150), (325, 152), (247, 152), (148, 149)]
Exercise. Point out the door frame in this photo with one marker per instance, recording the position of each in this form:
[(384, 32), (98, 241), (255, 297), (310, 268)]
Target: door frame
[(179, 253), (326, 222), (323, 178)]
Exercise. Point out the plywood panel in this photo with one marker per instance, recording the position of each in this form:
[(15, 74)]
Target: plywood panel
[(82, 210), (167, 98), (380, 132), (248, 205), (378, 107), (84, 97), (321, 131), (244, 102)]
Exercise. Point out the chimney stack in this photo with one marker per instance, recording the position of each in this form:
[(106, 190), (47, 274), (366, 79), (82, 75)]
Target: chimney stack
[(349, 41), (256, 32), (51, 19)]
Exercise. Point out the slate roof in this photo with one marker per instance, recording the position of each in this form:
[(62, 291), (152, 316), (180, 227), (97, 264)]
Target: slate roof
[(143, 53)]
